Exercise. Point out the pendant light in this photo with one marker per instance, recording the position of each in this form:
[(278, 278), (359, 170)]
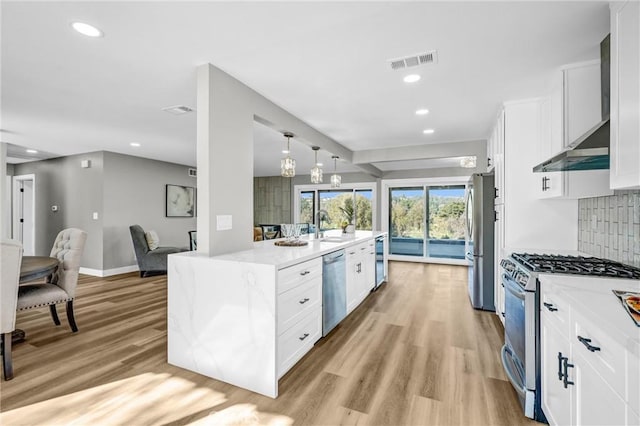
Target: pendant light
[(316, 171), (288, 164), (336, 179)]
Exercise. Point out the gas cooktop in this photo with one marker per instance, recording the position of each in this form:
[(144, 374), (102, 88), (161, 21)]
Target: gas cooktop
[(579, 265)]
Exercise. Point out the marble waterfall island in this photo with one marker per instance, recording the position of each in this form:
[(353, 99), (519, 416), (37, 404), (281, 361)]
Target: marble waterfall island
[(237, 318)]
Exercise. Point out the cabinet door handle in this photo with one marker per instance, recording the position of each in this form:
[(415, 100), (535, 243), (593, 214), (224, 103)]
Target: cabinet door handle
[(560, 366), (550, 307), (566, 365), (303, 301), (305, 335), (305, 273), (587, 343)]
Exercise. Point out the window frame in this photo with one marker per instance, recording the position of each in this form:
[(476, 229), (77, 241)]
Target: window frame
[(387, 184), (353, 187)]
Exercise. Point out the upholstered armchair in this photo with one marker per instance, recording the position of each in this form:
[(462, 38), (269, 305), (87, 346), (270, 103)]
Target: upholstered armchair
[(10, 262), (61, 286), (150, 262)]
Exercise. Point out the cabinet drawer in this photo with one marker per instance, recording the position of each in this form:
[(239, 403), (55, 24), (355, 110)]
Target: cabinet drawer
[(608, 360), (556, 310), (298, 340), (297, 302), (295, 275)]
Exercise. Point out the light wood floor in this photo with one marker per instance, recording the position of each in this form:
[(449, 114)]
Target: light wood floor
[(413, 353)]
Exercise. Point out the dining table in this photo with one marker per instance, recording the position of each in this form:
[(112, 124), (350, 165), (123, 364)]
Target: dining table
[(32, 268)]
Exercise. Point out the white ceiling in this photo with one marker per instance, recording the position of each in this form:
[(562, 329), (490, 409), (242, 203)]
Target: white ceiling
[(323, 62)]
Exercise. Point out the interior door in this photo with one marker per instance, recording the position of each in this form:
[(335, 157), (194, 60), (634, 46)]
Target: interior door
[(24, 212)]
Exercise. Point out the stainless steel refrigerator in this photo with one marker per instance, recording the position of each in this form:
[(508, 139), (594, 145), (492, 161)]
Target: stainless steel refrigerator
[(480, 220)]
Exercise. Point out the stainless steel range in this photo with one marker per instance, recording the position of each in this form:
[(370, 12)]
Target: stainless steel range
[(521, 352)]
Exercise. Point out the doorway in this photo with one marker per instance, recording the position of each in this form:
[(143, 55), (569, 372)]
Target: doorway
[(426, 221), (24, 212)]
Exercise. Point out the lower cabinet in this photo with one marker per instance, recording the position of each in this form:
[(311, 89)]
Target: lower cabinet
[(587, 376), (294, 343), (361, 273), (556, 399), (595, 402)]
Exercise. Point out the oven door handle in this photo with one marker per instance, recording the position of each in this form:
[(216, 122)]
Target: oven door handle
[(519, 387), (513, 287)]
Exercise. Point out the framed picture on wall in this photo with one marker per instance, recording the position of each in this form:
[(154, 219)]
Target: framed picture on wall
[(181, 201)]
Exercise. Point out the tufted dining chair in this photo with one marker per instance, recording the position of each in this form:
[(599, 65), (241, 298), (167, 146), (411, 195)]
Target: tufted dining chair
[(10, 276), (61, 286)]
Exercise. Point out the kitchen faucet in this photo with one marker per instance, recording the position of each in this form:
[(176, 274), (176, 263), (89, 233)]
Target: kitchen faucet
[(319, 221)]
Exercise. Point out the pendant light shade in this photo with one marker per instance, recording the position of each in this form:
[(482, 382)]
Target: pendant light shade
[(336, 179), (288, 164), (316, 171)]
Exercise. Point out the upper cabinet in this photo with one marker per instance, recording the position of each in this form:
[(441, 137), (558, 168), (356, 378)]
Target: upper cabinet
[(572, 108), (495, 156), (625, 95)]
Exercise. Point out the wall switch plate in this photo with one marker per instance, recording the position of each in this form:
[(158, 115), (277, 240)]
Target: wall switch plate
[(95, 215), (85, 164), (224, 222)]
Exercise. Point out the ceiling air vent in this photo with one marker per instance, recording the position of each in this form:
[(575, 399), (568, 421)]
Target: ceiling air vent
[(414, 60), (193, 172), (177, 109)]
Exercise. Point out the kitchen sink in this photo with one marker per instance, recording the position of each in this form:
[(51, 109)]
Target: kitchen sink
[(334, 239)]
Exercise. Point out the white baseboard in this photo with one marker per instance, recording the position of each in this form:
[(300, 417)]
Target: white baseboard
[(109, 272)]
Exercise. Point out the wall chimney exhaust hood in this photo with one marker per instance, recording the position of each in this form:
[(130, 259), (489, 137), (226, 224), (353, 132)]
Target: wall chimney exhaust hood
[(591, 150)]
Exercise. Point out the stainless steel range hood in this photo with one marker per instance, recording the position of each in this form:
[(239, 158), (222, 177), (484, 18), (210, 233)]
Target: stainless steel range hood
[(591, 150)]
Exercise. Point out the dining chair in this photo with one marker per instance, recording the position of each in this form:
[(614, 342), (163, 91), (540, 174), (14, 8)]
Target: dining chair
[(61, 286), (304, 228), (10, 262), (270, 232), (193, 240)]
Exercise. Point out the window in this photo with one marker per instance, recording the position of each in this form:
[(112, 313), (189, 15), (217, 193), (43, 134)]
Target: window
[(307, 207), (426, 219), (353, 203)]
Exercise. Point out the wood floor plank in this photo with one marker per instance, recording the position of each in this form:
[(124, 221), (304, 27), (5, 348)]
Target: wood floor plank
[(413, 353)]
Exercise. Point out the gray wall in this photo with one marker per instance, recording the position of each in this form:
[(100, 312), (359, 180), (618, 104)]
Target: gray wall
[(78, 194), (617, 227), (134, 193), (272, 202)]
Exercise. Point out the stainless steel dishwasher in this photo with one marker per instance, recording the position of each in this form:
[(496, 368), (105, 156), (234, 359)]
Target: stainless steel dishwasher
[(334, 291)]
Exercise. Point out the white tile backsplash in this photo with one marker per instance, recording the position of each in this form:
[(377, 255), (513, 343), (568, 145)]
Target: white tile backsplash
[(616, 233)]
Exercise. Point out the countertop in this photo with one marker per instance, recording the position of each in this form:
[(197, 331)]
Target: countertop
[(594, 295), (266, 252)]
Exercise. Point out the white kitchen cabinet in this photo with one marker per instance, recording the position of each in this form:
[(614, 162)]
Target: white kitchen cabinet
[(497, 163), (498, 238), (595, 403), (625, 95), (555, 397), (587, 375), (572, 108), (361, 273)]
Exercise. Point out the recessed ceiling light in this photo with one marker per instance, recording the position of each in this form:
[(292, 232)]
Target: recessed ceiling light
[(177, 109), (422, 112), (134, 144), (32, 151), (411, 78), (86, 29), (428, 131), (319, 164)]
